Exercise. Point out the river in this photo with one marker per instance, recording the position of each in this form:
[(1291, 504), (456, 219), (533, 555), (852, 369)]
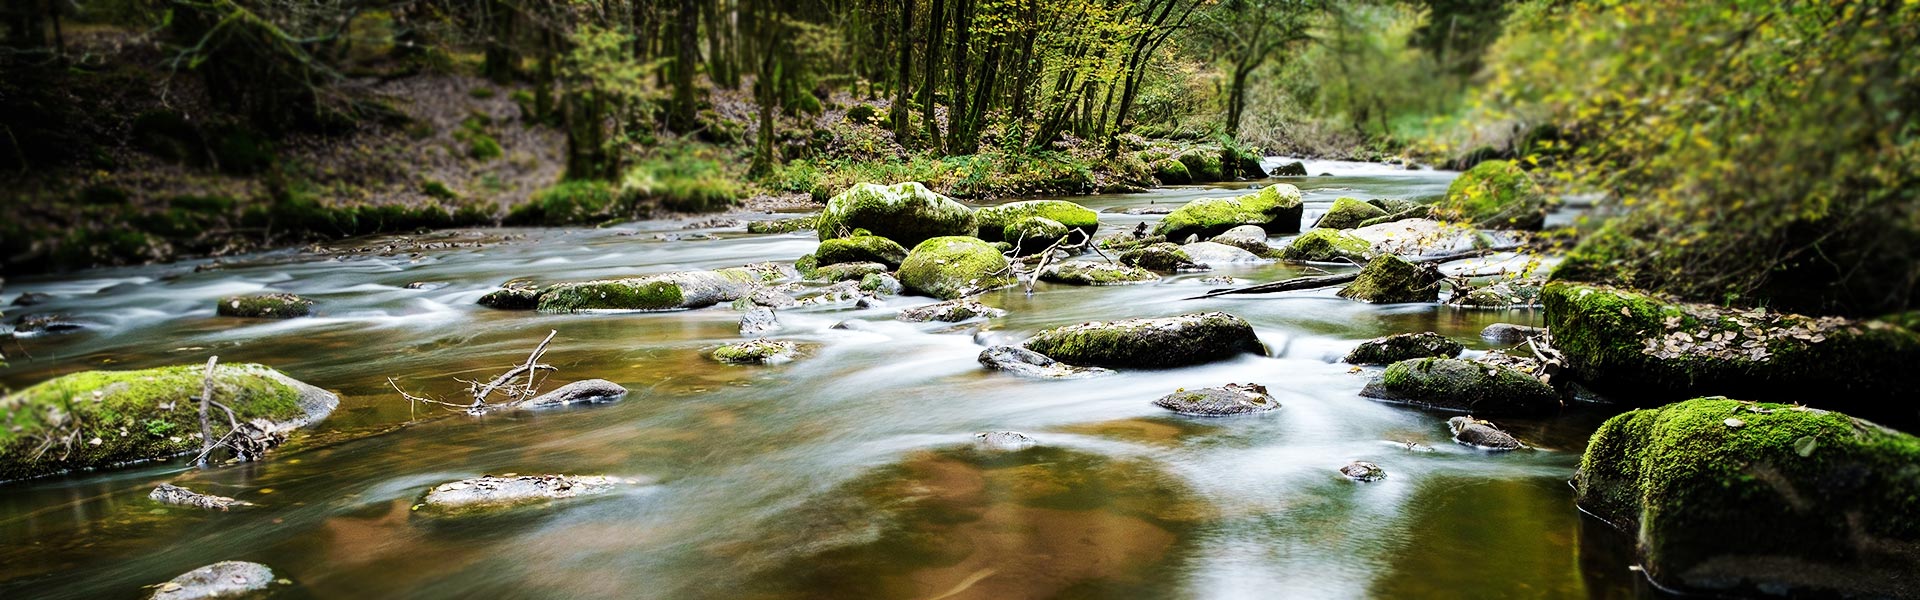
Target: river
[(755, 471)]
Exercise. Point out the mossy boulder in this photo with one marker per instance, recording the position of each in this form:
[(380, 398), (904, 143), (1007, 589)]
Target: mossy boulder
[(1468, 431), (1495, 194), (849, 271), (97, 419), (1404, 346), (881, 284), (1151, 343), (1086, 272), (954, 266), (666, 291), (1275, 208), (756, 352), (1203, 165), (1348, 213), (860, 249), (1390, 279), (265, 306), (782, 225), (1171, 172), (1163, 256), (1292, 169), (1033, 235), (1730, 497), (951, 311), (907, 213), (993, 220), (1466, 386), (1643, 348), (1327, 245), (515, 295)]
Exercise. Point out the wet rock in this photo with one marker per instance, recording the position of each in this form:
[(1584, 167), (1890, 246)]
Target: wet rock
[(32, 299), (1275, 208), (1163, 257), (1027, 363), (1231, 399), (1210, 253), (1465, 386), (1159, 209), (907, 213), (265, 306), (1508, 333), (1246, 237), (1495, 194), (1149, 343), (1220, 280), (1292, 169), (951, 311), (666, 291), (1404, 346), (771, 298), (1328, 245), (174, 495), (514, 296), (1502, 294), (1004, 441), (952, 267), (881, 284), (1481, 434), (713, 223), (1348, 213), (1425, 237), (116, 417), (425, 285), (1084, 272), (760, 273), (1033, 235), (1796, 503), (994, 220), (758, 321), (849, 271), (756, 352), (844, 291), (228, 579), (586, 391), (1361, 470), (1389, 279), (490, 493), (860, 249), (45, 323), (1417, 211), (782, 225)]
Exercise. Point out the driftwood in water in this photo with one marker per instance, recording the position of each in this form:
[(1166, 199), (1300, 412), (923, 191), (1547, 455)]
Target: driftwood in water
[(1322, 281)]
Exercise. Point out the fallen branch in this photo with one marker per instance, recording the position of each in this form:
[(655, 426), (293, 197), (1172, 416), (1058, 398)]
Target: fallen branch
[(531, 370), (206, 427), (1321, 281)]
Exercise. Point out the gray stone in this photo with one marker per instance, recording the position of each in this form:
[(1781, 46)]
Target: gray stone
[(586, 391), (1027, 363), (1232, 399), (1481, 434), (219, 580)]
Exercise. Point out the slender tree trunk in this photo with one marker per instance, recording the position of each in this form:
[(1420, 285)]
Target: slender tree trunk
[(958, 94), (718, 66), (932, 84), (898, 115), (683, 117), (1237, 98), (502, 64)]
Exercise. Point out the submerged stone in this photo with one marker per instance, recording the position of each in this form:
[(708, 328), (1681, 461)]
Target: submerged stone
[(228, 579), (951, 311), (45, 323), (1481, 434), (1150, 343), (1464, 386), (1027, 363), (585, 391), (265, 306), (907, 213), (756, 352), (1086, 272), (1508, 333), (1796, 502), (490, 493), (952, 267), (757, 321), (1231, 399), (1404, 346), (1275, 208)]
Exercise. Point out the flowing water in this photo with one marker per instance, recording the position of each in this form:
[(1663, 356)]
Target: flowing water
[(841, 474)]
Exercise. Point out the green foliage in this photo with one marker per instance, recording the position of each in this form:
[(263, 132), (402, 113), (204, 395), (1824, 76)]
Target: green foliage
[(570, 202), (682, 179)]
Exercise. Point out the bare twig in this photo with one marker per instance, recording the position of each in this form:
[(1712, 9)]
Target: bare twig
[(206, 428)]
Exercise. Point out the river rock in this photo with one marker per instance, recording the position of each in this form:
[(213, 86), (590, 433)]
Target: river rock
[(1495, 194), (771, 298), (849, 271), (32, 299), (174, 495), (1481, 434), (1514, 293), (1210, 253), (1417, 211), (1797, 502), (265, 306), (1231, 399), (789, 225), (1508, 333), (1164, 257), (860, 249), (838, 293), (757, 321), (1003, 441), (666, 291), (489, 493), (881, 284), (1389, 279), (993, 220), (1404, 346), (1086, 272), (1645, 349), (1464, 386), (45, 323), (761, 351), (1348, 213), (1164, 342), (1033, 235), (227, 579), (515, 295), (1027, 363), (1158, 209), (1292, 169), (907, 213), (1361, 470), (1247, 237), (952, 267), (1328, 245), (585, 391), (1275, 208), (951, 311), (95, 407)]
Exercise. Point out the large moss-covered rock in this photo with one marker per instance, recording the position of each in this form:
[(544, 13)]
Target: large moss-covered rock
[(1730, 497), (783, 225), (907, 213), (954, 266), (993, 220), (1203, 164), (860, 249), (1086, 272), (1150, 343), (1163, 256), (1292, 169), (849, 271), (1467, 386), (1327, 245), (666, 291), (1275, 208), (1033, 235), (1641, 348), (265, 306), (1390, 279), (514, 295), (96, 419), (760, 351), (1495, 194), (1348, 213), (1171, 172), (1404, 346)]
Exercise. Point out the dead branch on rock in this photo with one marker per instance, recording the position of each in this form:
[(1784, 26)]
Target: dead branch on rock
[(531, 372), (1028, 277)]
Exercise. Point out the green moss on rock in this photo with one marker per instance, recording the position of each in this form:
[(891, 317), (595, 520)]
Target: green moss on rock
[(860, 249), (1474, 387), (954, 266), (1275, 208), (1203, 165), (513, 296), (1082, 272), (850, 271), (1328, 245), (1165, 257), (265, 306), (907, 213), (1149, 343), (666, 291), (1389, 279), (1348, 213), (1495, 194), (993, 220), (756, 352), (782, 225), (1033, 235), (1724, 496), (1171, 172), (1404, 346)]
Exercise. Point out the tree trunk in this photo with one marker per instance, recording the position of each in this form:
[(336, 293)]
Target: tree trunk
[(931, 86), (904, 40), (502, 64), (958, 94), (683, 117), (1237, 99)]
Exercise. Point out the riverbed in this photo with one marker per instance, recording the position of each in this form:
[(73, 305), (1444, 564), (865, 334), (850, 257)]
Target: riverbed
[(744, 463)]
